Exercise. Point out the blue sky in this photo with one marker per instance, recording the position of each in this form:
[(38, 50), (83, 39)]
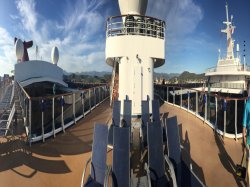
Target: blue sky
[(77, 28)]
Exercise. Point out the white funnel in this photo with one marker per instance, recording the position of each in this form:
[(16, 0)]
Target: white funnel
[(133, 6)]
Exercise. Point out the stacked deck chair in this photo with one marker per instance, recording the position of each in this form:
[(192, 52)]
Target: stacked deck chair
[(120, 171), (156, 161), (156, 115), (185, 176), (115, 121), (156, 111), (127, 113), (98, 160), (145, 119)]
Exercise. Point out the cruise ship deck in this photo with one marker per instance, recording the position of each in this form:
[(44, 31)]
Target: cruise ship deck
[(60, 161)]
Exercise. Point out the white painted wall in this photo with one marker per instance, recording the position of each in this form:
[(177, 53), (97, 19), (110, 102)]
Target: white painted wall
[(36, 69)]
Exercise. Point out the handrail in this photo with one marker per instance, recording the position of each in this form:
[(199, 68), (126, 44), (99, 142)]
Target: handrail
[(195, 110), (26, 94), (205, 92), (58, 95), (9, 120), (12, 93), (226, 68), (133, 24)]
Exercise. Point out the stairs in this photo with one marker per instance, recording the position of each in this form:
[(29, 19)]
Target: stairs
[(5, 102)]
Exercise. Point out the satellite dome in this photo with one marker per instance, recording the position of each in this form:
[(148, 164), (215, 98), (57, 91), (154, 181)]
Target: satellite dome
[(133, 6), (54, 55), (19, 49)]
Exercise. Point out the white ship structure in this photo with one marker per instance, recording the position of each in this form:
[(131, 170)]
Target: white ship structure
[(230, 75)]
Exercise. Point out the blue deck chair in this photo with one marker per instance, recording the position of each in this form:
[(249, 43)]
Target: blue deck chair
[(115, 120), (155, 110), (174, 148), (145, 119), (98, 160), (120, 170), (189, 179), (156, 161), (127, 112), (185, 176)]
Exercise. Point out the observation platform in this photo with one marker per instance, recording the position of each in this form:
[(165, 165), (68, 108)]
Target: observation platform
[(60, 161)]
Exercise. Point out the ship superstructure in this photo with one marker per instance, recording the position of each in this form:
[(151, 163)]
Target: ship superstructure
[(230, 75), (135, 45)]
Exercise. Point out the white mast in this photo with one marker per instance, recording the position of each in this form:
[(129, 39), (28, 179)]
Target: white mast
[(229, 31)]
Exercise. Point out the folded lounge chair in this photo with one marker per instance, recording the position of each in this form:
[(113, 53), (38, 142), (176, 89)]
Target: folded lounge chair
[(156, 159), (145, 119), (184, 175), (120, 170), (98, 160), (115, 120)]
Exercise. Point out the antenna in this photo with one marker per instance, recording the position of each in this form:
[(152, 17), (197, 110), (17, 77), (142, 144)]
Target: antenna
[(227, 11), (244, 53), (37, 52), (219, 53)]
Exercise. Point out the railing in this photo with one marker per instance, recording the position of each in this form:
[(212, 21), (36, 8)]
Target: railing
[(229, 68), (228, 85), (46, 116), (135, 25), (223, 114), (8, 121)]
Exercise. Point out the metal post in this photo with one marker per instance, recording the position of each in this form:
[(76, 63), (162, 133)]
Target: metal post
[(62, 118), (53, 116), (173, 95), (235, 122), (205, 107), (188, 100), (225, 118), (43, 119), (83, 113), (99, 94), (95, 96), (26, 112), (74, 107), (103, 93), (89, 101), (216, 112), (196, 95), (181, 98), (167, 94), (30, 122)]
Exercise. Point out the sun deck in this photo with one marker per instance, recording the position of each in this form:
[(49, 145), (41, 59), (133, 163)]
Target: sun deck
[(60, 161)]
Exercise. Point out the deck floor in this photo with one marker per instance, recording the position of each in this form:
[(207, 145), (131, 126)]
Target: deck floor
[(60, 161), (213, 158)]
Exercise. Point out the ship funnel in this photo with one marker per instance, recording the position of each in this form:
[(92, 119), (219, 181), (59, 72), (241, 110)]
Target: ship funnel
[(133, 6)]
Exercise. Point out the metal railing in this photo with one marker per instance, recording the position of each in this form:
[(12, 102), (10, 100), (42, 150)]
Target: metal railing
[(135, 25), (229, 68), (223, 114), (46, 116), (6, 128)]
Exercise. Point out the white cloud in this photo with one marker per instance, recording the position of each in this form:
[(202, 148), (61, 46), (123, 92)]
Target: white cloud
[(78, 38), (7, 53), (28, 15), (181, 16)]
